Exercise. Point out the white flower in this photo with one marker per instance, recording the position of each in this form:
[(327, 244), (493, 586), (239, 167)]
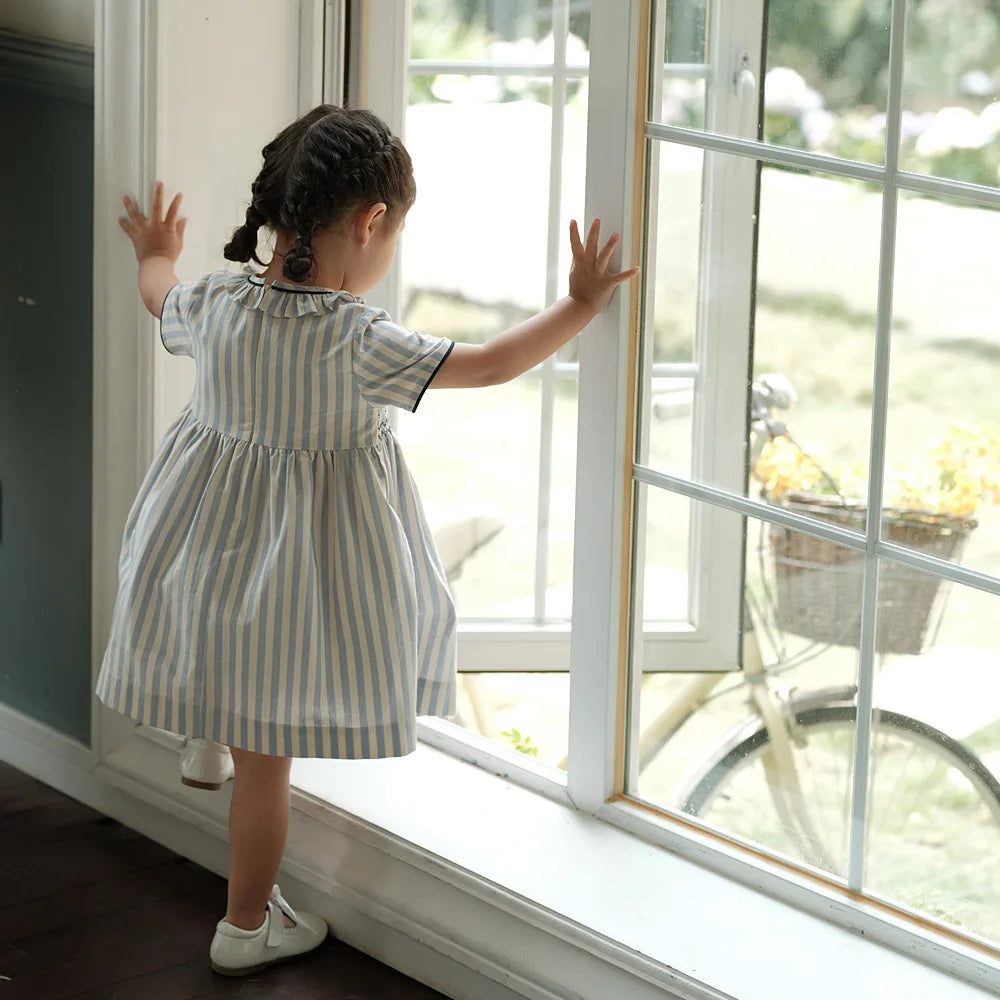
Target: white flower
[(977, 83), (912, 124), (990, 117), (526, 50), (817, 126), (953, 128), (465, 89), (786, 91)]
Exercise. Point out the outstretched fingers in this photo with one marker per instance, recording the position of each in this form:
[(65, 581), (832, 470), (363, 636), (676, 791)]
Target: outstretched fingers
[(157, 214), (593, 238), (574, 239), (609, 248), (175, 206), (620, 276)]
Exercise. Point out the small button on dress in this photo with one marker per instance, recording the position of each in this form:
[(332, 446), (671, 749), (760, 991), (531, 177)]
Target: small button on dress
[(279, 588)]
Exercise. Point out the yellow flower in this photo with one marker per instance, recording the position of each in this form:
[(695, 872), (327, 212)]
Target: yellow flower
[(959, 469)]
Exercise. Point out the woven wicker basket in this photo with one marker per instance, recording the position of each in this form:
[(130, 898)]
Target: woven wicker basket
[(818, 584)]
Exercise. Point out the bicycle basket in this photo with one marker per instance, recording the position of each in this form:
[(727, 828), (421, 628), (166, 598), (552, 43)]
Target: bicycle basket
[(818, 584)]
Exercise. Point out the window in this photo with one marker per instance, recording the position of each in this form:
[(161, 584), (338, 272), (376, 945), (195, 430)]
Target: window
[(815, 293), (494, 114), (750, 651)]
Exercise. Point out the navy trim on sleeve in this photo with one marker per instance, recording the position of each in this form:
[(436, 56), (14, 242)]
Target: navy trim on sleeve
[(437, 368)]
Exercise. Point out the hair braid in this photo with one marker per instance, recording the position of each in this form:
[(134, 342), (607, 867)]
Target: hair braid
[(325, 164)]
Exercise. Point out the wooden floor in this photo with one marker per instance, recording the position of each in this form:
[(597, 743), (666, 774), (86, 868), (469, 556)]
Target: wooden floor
[(90, 909)]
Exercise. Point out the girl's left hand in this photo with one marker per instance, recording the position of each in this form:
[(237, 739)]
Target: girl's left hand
[(157, 236)]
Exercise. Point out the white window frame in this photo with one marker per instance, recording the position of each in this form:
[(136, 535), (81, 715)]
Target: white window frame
[(494, 645), (705, 642)]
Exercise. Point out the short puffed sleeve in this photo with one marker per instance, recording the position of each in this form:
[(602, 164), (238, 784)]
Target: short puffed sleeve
[(393, 365), (178, 315)]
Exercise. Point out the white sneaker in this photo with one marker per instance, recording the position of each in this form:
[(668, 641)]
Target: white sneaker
[(237, 952), (206, 764)]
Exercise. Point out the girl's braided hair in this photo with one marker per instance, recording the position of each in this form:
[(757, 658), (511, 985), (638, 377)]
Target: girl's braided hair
[(315, 170)]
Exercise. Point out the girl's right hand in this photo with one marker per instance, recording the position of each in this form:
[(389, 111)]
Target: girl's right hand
[(590, 281), (158, 235)]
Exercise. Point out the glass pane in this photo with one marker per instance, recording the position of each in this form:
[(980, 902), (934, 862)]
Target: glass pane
[(934, 828), (814, 335), (663, 539), (811, 301), (703, 746), (465, 449), (951, 112), (497, 468), (523, 711), (943, 442), (507, 271), (672, 249), (685, 31), (677, 83), (824, 73), (505, 31), (827, 69)]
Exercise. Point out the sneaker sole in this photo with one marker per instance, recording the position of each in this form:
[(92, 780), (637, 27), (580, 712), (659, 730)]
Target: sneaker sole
[(211, 786), (249, 970)]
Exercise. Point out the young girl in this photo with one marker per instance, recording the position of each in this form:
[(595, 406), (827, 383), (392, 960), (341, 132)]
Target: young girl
[(279, 592)]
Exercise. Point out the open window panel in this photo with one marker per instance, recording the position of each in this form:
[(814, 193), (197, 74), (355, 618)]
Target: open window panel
[(695, 331), (491, 99)]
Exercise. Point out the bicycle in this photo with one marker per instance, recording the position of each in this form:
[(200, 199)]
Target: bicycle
[(782, 777)]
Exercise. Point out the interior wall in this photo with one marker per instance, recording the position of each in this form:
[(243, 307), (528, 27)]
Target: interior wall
[(221, 95), (46, 365), (68, 21)]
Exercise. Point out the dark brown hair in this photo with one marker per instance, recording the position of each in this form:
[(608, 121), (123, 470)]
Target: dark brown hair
[(315, 170)]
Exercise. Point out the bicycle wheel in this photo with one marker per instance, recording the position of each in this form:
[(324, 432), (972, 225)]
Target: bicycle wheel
[(933, 839)]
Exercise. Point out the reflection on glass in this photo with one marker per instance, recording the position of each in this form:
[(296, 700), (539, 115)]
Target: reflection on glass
[(685, 23), (678, 83), (720, 747), (504, 31), (951, 91), (934, 799), (825, 83), (943, 441)]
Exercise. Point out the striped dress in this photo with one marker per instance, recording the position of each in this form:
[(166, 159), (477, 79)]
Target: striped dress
[(279, 589)]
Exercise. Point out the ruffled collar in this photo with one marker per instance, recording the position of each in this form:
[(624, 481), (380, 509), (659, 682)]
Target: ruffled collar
[(280, 298)]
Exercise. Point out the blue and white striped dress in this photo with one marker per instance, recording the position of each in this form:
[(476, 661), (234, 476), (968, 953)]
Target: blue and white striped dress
[(279, 588)]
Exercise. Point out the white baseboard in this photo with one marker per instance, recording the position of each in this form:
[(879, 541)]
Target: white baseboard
[(455, 941)]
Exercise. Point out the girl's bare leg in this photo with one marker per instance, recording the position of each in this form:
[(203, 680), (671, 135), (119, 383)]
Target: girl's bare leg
[(258, 828)]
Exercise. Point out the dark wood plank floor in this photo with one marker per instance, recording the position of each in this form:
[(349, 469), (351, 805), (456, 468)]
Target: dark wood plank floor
[(92, 910)]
